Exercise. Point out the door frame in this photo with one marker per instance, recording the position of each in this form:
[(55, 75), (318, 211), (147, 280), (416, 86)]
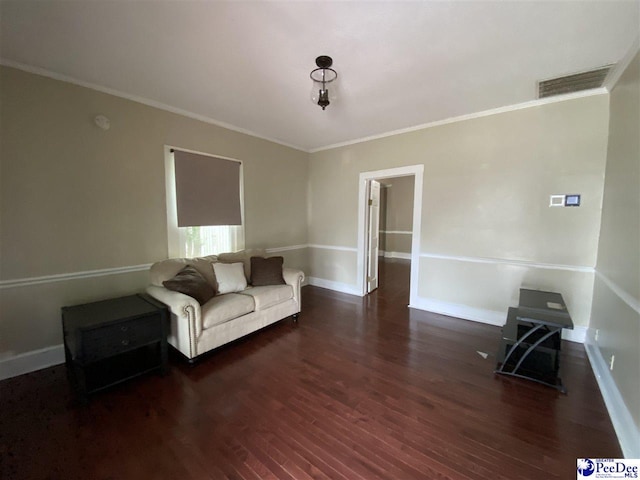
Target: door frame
[(417, 171), (369, 261)]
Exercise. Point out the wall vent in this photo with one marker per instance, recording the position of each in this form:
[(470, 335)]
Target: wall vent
[(573, 83)]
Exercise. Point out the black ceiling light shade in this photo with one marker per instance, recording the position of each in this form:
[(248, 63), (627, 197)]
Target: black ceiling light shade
[(322, 77)]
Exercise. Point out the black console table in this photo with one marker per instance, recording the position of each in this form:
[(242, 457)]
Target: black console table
[(114, 340), (531, 338)]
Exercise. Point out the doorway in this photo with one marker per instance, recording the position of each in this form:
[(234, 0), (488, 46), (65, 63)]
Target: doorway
[(367, 251)]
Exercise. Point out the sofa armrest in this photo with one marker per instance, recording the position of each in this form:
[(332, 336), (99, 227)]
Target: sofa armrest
[(185, 308), (294, 278)]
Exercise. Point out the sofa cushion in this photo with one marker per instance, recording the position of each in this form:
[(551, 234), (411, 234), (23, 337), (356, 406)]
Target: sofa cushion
[(166, 269), (243, 256), (266, 271), (223, 308), (268, 296), (230, 277), (190, 282)]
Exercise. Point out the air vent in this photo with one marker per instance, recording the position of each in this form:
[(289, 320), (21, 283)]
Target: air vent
[(573, 83)]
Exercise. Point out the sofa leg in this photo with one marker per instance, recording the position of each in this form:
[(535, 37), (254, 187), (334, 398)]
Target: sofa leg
[(295, 317)]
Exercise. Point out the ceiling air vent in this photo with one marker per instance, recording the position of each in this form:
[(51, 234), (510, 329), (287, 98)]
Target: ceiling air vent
[(573, 83)]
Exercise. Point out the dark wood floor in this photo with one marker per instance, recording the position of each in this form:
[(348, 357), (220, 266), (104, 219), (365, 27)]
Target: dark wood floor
[(359, 389)]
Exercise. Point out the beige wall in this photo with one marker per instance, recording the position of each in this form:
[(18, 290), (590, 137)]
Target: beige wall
[(487, 183), (76, 198), (616, 302), (397, 215)]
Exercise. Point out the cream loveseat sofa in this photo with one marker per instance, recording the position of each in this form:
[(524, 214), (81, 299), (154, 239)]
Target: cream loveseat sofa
[(197, 329)]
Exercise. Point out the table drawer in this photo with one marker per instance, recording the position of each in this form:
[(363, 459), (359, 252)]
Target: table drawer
[(109, 340)]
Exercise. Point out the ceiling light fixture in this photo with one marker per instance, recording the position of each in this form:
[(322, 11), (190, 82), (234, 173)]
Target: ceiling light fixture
[(322, 77)]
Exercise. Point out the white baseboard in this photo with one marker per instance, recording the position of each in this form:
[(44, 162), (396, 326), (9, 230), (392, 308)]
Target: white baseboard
[(482, 315), (461, 311), (336, 286), (457, 310), (577, 335), (626, 429), (31, 361)]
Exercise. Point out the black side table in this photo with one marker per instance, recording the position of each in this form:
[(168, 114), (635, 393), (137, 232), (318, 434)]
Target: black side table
[(531, 338), (111, 341)]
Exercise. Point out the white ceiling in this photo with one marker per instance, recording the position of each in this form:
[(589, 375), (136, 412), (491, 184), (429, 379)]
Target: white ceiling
[(246, 64)]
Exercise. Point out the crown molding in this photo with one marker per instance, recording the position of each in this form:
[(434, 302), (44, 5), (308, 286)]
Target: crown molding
[(145, 101), (485, 113), (234, 128), (620, 67)]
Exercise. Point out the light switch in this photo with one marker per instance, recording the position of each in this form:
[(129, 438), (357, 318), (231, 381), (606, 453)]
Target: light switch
[(556, 201)]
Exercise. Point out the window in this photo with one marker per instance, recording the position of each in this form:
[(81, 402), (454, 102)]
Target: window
[(204, 204), (210, 240)]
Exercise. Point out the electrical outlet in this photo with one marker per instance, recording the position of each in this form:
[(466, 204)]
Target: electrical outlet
[(611, 360)]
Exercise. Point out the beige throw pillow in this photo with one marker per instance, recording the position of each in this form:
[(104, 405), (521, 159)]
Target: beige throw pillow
[(230, 277)]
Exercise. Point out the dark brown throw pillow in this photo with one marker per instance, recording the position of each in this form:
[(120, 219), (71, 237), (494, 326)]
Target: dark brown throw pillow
[(191, 282), (266, 271)]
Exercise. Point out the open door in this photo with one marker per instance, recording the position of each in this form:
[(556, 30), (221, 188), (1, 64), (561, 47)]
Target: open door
[(364, 255), (373, 235)]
